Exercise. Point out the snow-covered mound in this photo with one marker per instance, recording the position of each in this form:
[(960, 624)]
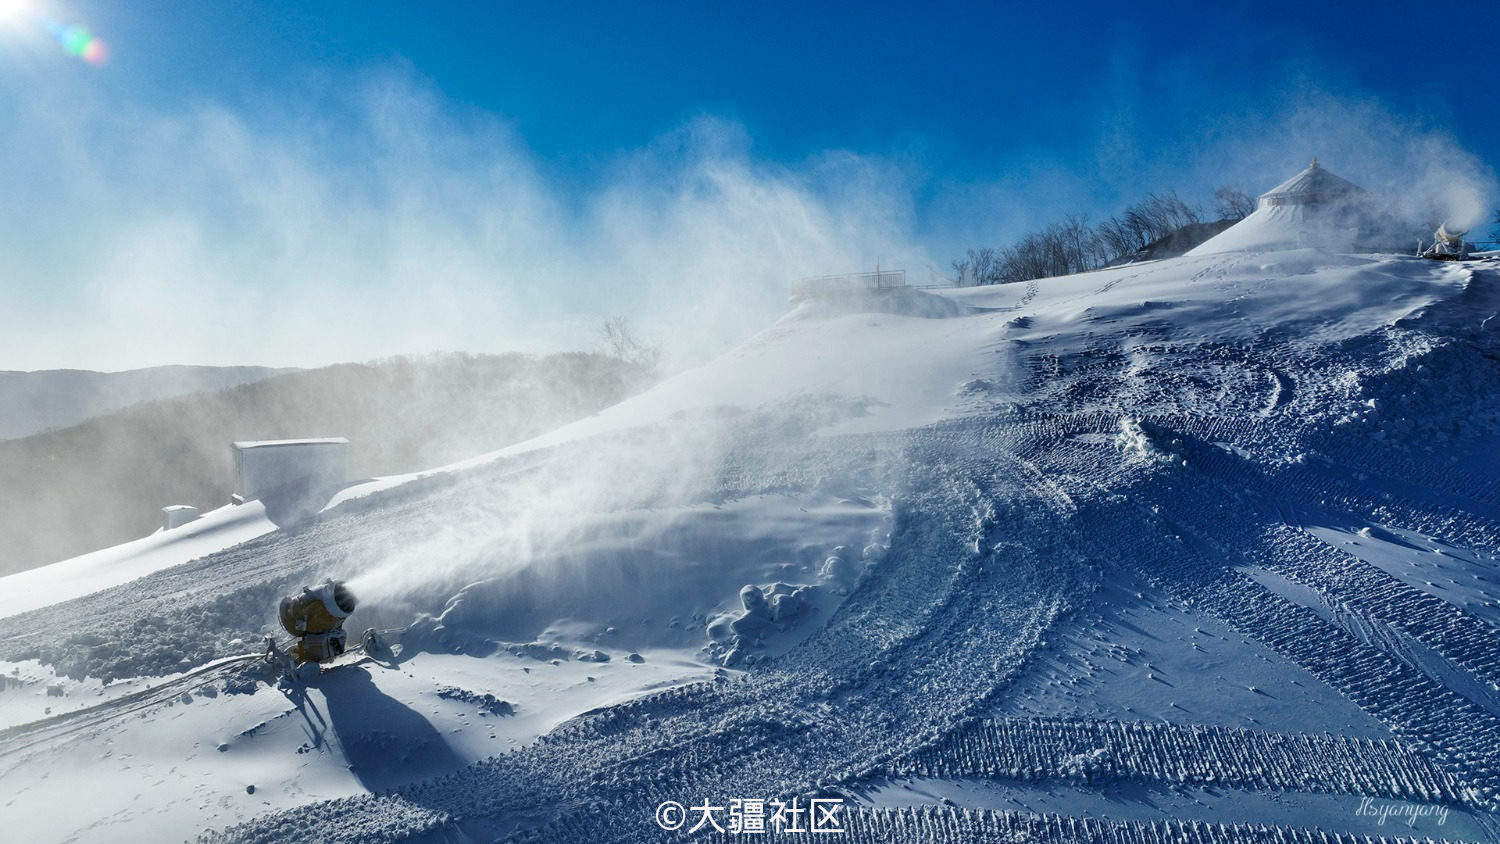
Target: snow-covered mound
[(1314, 208), (1195, 550)]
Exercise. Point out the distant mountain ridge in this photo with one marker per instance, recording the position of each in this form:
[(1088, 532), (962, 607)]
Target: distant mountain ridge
[(102, 482), (33, 402)]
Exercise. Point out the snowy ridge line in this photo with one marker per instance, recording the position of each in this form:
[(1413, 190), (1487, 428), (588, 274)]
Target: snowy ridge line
[(1091, 750), (171, 617), (1464, 738), (1462, 638), (998, 527)]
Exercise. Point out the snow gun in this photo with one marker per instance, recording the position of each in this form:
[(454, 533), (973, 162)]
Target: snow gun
[(316, 617)]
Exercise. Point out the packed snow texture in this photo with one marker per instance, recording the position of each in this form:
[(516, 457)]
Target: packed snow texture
[(1200, 549)]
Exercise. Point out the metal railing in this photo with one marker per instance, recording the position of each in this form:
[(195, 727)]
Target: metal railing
[(882, 280)]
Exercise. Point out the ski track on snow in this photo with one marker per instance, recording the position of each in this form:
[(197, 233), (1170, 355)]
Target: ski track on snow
[(1008, 520)]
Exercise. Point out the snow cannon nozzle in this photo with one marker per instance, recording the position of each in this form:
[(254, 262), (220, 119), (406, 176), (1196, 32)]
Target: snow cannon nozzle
[(343, 597), (316, 617)]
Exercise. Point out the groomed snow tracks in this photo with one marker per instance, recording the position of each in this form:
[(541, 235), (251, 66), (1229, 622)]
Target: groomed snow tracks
[(1099, 751)]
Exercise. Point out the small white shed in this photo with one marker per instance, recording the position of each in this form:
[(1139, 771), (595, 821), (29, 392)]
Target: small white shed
[(177, 515), (268, 467)]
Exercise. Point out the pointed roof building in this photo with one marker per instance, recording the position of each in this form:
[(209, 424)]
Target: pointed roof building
[(1314, 208), (1312, 186)]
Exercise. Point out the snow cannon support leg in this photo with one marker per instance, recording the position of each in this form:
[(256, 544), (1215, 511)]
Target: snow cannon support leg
[(280, 661), (316, 617)]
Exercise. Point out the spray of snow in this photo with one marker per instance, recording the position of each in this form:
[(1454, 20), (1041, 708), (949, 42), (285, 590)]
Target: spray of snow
[(574, 533), (398, 223), (1418, 172)]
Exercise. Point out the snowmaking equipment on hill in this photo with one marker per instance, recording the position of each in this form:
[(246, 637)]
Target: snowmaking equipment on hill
[(1446, 245), (316, 617)]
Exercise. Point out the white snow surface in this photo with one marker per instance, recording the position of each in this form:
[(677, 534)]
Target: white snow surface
[(1197, 549), (63, 581)]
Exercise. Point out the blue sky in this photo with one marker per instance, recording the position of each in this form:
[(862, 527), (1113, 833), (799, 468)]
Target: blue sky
[(491, 176)]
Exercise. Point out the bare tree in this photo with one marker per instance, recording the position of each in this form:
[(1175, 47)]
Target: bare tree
[(1064, 248), (977, 268), (619, 342), (1145, 223), (1073, 246), (1079, 244), (1231, 203), (1117, 237)]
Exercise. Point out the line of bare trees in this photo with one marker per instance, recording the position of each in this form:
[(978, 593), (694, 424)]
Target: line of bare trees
[(1073, 246)]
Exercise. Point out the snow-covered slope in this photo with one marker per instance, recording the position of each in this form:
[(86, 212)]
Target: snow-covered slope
[(1200, 549)]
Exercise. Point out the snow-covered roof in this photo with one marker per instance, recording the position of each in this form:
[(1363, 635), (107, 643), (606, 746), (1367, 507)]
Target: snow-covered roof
[(242, 444), (1314, 208), (1312, 185)]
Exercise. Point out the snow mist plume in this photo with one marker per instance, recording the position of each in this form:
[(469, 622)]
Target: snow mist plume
[(400, 223), (521, 528), (618, 529), (1417, 172)]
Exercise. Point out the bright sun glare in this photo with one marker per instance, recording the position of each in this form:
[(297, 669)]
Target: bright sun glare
[(14, 10)]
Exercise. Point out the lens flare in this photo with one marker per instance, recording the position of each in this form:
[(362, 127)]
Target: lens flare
[(78, 41), (14, 9)]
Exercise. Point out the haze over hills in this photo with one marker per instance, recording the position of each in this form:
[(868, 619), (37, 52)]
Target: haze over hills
[(104, 481), (32, 402)]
